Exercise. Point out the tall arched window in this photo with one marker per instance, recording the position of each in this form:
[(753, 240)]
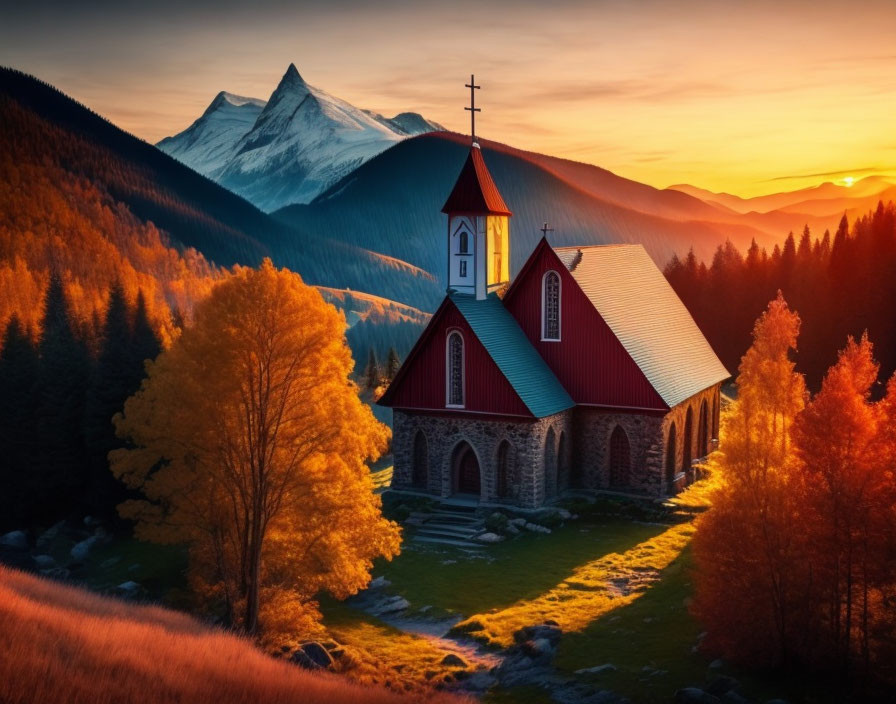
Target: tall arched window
[(703, 433), (688, 440), (455, 370), (420, 470), (671, 453), (463, 243), (620, 457), (550, 464), (550, 306), (502, 488)]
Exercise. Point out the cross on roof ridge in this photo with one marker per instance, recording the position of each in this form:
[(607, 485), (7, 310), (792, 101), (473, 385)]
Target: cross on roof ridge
[(473, 109)]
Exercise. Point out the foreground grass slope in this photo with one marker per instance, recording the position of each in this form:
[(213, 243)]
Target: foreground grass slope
[(62, 644)]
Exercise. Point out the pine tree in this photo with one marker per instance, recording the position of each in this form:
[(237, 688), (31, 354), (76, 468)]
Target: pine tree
[(371, 371), (18, 414), (145, 343), (392, 364), (64, 372)]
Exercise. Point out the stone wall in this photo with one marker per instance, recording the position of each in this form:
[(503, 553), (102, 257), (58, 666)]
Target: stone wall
[(537, 473), (528, 484)]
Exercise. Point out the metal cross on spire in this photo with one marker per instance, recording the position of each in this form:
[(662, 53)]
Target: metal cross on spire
[(473, 109), (545, 230)]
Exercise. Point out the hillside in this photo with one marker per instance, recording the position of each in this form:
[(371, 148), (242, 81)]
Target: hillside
[(393, 204), (80, 195), (63, 645)]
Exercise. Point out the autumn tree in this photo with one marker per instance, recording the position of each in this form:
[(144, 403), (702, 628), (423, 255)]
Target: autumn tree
[(846, 457), (250, 444), (746, 593)]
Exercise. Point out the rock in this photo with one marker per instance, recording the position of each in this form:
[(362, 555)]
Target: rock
[(564, 514), (452, 660), (597, 669), (480, 681), (489, 538), (518, 522), (695, 695), (512, 529), (49, 535), (312, 653), (538, 647), (128, 589), (535, 528), (16, 539), (550, 631), (81, 550), (722, 684), (44, 562), (390, 605), (716, 664), (378, 583)]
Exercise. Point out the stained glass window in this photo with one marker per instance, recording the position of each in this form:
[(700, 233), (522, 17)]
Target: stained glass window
[(551, 308), (455, 369)]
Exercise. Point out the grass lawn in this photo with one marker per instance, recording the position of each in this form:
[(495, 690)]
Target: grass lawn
[(503, 574)]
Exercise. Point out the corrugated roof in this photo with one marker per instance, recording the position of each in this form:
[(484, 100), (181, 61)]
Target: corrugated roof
[(475, 190), (647, 316), (518, 360)]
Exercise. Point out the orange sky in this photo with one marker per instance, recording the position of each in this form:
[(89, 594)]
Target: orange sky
[(745, 97)]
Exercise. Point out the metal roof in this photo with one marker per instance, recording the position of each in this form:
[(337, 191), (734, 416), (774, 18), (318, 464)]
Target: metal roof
[(475, 190), (647, 316), (510, 349)]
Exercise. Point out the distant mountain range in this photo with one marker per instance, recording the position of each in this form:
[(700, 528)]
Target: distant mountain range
[(289, 148)]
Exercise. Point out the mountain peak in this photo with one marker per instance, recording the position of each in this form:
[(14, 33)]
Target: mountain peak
[(292, 77), (224, 99)]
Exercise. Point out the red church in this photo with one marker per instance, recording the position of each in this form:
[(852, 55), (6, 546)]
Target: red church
[(585, 372)]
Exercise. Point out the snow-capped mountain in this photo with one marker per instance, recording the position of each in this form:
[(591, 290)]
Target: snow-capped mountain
[(299, 143), (209, 143)]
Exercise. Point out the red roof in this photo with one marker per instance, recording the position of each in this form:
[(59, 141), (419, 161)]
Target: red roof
[(475, 190)]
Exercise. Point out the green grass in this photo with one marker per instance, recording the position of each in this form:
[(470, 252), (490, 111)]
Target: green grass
[(160, 569), (505, 573)]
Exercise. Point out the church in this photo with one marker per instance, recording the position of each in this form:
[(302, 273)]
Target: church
[(585, 372)]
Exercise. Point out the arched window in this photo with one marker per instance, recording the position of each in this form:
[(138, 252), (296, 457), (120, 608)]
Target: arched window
[(671, 452), (620, 457), (550, 464), (688, 439), (502, 478), (562, 461), (550, 306), (455, 370), (703, 433), (463, 242), (715, 414), (420, 470)]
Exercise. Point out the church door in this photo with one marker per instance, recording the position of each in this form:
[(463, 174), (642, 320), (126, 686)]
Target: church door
[(620, 458), (468, 481)]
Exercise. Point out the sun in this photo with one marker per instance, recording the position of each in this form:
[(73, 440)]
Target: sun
[(848, 181)]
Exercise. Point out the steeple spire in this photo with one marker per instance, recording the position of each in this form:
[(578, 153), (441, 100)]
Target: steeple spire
[(473, 109)]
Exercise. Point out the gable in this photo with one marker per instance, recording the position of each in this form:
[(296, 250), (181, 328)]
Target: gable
[(589, 360), (420, 383)]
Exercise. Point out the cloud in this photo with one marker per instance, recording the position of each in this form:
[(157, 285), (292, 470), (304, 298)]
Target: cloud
[(827, 174)]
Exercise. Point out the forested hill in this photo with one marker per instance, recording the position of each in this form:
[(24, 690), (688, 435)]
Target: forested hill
[(81, 196)]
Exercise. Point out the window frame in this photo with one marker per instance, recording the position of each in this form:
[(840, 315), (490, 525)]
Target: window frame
[(544, 280), (448, 371)]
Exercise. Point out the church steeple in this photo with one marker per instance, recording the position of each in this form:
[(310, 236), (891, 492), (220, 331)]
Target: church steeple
[(478, 225)]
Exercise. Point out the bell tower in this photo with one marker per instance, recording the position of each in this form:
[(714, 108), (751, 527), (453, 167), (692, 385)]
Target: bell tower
[(478, 224)]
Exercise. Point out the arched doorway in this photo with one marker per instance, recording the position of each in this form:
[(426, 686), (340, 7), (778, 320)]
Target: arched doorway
[(671, 447), (465, 474), (687, 449), (550, 464), (562, 462), (502, 476), (420, 470), (620, 457), (703, 434)]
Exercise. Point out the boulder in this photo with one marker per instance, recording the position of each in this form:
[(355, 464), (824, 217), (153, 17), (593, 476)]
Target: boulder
[(518, 522), (538, 647), (378, 583), (44, 562), (390, 605), (722, 684), (564, 514), (312, 656), (81, 550), (535, 528), (512, 529), (597, 669), (489, 538), (549, 630), (128, 589), (16, 539), (452, 660), (695, 695)]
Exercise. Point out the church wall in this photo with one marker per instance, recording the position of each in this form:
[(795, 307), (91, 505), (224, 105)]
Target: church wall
[(589, 360), (526, 481)]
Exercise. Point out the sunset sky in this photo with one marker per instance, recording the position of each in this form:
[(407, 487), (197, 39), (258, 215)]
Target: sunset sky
[(744, 97)]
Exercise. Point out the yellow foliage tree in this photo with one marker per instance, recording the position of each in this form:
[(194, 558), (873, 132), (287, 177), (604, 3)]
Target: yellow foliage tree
[(250, 444)]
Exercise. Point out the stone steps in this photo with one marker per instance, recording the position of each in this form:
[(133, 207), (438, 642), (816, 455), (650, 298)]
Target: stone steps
[(456, 526), (466, 544)]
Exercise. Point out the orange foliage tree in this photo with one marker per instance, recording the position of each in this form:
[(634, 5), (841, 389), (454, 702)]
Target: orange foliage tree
[(250, 444), (746, 593)]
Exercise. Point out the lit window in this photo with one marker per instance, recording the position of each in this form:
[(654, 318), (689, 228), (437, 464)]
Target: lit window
[(550, 310), (455, 369)]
